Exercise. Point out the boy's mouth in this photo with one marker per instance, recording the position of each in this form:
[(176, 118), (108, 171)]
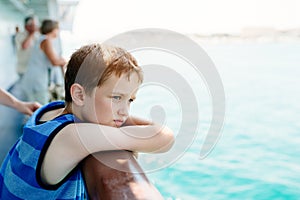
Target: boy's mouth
[(118, 122)]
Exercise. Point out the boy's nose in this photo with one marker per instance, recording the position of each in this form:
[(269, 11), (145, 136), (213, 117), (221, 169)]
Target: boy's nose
[(123, 111)]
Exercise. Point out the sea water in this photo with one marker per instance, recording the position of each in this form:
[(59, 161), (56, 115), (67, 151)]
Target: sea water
[(257, 155)]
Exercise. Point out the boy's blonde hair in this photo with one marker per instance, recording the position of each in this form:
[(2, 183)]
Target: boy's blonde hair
[(91, 65)]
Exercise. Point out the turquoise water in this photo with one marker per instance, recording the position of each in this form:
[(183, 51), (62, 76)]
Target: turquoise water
[(257, 156)]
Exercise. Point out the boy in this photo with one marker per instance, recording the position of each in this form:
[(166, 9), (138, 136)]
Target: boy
[(100, 83), (9, 100)]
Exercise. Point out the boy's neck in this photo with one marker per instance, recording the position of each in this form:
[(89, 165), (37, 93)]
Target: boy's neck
[(67, 109), (47, 116)]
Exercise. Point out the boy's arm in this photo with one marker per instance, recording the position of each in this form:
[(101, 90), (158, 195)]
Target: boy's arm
[(76, 141), (117, 174), (135, 121)]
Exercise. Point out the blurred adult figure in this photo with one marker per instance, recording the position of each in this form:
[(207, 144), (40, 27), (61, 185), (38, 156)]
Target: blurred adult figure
[(34, 84), (24, 42)]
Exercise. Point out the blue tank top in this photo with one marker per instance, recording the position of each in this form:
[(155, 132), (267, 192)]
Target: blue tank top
[(20, 171)]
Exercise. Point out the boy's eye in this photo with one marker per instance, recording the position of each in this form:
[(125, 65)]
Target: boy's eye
[(116, 97), (131, 100)]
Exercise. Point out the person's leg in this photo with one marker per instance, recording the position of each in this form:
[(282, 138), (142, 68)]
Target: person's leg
[(122, 179)]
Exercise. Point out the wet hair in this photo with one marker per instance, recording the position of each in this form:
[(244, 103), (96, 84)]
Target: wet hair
[(48, 25), (91, 65)]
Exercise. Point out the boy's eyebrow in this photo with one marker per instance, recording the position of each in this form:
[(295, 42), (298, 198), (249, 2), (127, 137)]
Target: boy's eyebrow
[(122, 94), (119, 93)]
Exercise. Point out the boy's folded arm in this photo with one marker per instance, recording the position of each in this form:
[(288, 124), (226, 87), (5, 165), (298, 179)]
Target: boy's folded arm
[(76, 141), (162, 134), (148, 138), (135, 121)]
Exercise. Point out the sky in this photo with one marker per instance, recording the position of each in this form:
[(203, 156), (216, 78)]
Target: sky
[(189, 16)]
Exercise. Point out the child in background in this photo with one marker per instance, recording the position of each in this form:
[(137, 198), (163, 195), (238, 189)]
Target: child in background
[(100, 84)]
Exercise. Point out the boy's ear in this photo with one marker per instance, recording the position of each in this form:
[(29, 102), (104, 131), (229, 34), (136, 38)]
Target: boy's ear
[(78, 94)]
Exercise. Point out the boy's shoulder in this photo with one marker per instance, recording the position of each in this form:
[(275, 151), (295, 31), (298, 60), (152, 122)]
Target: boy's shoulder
[(47, 113), (39, 134)]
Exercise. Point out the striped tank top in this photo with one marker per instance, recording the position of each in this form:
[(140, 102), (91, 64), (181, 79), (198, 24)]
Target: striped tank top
[(20, 171)]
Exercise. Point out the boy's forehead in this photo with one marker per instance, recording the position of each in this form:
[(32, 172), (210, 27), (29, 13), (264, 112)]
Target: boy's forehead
[(122, 84)]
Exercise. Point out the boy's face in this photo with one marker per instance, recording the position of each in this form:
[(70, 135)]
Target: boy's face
[(111, 100)]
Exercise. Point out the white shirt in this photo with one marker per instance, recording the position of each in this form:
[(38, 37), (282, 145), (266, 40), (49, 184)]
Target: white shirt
[(23, 55)]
